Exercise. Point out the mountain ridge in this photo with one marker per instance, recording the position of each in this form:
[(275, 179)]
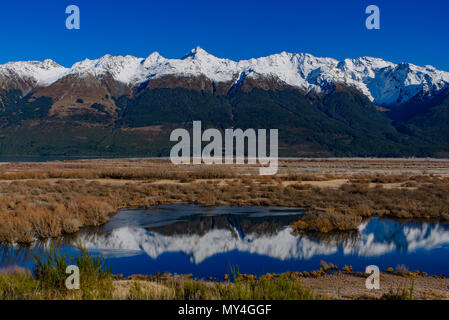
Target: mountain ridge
[(383, 82)]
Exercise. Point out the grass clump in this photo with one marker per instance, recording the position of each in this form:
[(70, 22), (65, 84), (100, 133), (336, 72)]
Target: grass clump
[(47, 279), (95, 277), (329, 221), (399, 294), (402, 270), (284, 287), (17, 284)]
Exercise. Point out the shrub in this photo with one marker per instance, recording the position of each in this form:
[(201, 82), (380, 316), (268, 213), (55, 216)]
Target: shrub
[(95, 278), (402, 270), (328, 221), (346, 268)]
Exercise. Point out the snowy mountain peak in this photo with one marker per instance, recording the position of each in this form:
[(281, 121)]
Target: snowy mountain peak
[(41, 73), (48, 64), (197, 53), (154, 57), (121, 68)]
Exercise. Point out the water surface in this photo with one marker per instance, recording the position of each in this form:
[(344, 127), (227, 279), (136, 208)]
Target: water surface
[(206, 241)]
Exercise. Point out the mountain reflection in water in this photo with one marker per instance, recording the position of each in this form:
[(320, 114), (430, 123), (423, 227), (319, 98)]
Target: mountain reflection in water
[(205, 241)]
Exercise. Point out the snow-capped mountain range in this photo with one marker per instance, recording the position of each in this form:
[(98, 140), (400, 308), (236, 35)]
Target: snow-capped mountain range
[(383, 82)]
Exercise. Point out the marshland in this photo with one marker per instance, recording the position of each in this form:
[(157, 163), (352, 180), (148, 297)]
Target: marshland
[(348, 211)]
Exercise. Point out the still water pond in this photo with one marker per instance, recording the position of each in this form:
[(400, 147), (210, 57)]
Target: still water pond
[(205, 242)]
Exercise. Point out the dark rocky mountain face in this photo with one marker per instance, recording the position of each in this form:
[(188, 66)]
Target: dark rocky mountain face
[(101, 116)]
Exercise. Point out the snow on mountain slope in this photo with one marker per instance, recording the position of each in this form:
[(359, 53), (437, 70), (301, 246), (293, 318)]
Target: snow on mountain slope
[(197, 62), (383, 82), (41, 73), (123, 69)]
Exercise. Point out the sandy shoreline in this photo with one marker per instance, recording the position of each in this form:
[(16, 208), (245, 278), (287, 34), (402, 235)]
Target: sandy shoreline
[(352, 286)]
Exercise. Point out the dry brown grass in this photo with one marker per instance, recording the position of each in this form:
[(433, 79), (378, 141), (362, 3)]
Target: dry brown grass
[(330, 220), (41, 200)]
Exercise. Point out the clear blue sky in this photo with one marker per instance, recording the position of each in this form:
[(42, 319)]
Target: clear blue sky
[(415, 31)]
